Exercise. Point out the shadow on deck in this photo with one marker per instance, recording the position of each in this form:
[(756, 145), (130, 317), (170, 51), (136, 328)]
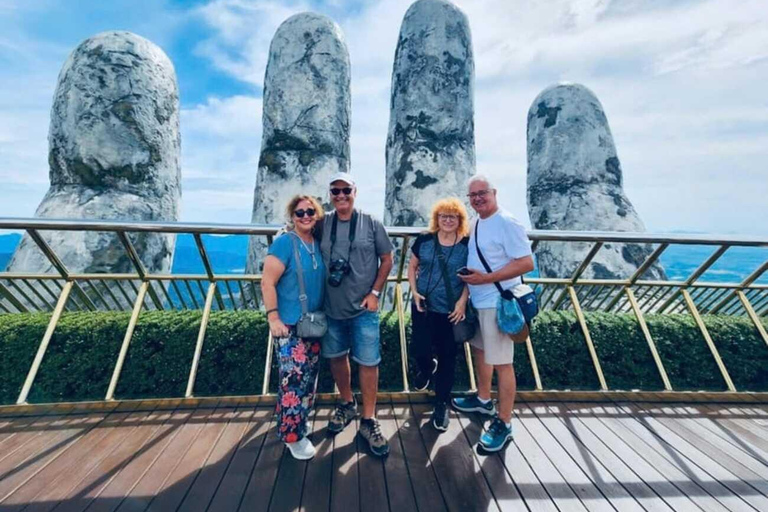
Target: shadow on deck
[(567, 456)]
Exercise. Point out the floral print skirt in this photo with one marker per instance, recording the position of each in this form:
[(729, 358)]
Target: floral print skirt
[(298, 361)]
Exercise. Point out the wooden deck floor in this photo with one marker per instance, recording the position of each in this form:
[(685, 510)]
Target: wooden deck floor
[(566, 456)]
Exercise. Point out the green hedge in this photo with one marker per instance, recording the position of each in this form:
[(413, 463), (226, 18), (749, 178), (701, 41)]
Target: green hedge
[(84, 348)]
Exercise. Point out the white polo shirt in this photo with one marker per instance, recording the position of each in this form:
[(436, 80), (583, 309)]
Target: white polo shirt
[(502, 239)]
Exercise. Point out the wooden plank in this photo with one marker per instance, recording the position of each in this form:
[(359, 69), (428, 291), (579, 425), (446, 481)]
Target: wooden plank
[(399, 485), (68, 478), (501, 483), (10, 429), (423, 480), (119, 488), (239, 472), (186, 474), (611, 473), (345, 486), (40, 450), (458, 471), (742, 476), (557, 487), (289, 479), (64, 460), (595, 487), (623, 449), (316, 492), (702, 489), (27, 440), (140, 496), (372, 478), (262, 479), (100, 476), (734, 430)]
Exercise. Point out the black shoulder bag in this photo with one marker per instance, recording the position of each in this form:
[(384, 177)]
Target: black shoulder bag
[(464, 330)]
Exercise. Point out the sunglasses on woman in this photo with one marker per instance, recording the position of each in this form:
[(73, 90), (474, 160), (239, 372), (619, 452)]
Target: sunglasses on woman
[(337, 191), (300, 213)]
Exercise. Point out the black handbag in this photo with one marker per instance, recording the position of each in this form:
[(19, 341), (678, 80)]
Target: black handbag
[(464, 330)]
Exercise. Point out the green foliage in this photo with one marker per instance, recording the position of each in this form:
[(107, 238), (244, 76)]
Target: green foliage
[(83, 350)]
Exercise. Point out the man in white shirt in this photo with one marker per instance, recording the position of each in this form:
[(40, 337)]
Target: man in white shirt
[(506, 248)]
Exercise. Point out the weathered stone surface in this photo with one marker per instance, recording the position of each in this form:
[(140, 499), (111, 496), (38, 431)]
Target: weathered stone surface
[(431, 142), (575, 183), (114, 149), (306, 119)]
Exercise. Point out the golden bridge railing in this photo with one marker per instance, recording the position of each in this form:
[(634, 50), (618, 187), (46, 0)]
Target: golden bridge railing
[(67, 290)]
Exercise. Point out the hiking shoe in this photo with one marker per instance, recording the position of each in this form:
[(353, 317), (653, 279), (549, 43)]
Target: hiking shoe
[(473, 404), (496, 436), (303, 449), (440, 417), (420, 381), (370, 430), (343, 414)]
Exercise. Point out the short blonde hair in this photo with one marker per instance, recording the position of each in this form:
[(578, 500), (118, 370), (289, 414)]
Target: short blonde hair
[(449, 205), (294, 202)]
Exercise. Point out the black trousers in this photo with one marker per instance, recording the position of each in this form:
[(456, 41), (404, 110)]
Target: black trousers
[(432, 336)]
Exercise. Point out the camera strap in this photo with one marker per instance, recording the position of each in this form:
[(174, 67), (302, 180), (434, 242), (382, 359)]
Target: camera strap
[(352, 230)]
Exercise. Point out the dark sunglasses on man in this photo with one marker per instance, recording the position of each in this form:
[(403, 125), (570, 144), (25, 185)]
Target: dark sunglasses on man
[(309, 211), (336, 191)]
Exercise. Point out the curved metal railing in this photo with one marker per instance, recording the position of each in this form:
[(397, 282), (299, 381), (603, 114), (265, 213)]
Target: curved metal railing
[(65, 289)]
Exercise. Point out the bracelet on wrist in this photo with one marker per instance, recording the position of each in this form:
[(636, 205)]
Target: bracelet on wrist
[(273, 310)]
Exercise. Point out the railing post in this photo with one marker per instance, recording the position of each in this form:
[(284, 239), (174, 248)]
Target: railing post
[(44, 343), (470, 367), (648, 338), (580, 270), (401, 330), (534, 364), (752, 315), (127, 340), (587, 337), (708, 339), (200, 338), (268, 364)]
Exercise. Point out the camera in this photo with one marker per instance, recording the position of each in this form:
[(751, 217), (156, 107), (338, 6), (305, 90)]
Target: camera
[(337, 270)]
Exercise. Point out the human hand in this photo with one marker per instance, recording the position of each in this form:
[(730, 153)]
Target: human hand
[(417, 300), (370, 302), (459, 312), (474, 277), (278, 328)]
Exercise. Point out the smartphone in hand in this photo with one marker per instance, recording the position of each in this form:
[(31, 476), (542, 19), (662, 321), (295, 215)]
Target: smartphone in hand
[(463, 271)]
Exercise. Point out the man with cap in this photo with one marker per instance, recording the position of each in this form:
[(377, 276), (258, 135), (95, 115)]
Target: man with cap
[(358, 257)]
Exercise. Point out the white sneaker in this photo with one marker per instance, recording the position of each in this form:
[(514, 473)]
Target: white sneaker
[(303, 449)]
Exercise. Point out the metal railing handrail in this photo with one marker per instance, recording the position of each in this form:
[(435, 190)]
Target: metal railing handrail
[(631, 295)]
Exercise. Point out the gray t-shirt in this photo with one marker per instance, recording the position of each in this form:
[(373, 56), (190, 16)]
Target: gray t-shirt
[(371, 241)]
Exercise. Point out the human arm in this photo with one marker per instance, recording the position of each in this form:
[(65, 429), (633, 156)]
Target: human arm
[(413, 265), (514, 268), (459, 311), (371, 301), (273, 270)]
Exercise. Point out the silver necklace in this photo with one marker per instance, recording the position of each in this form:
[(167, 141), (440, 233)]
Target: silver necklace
[(310, 251)]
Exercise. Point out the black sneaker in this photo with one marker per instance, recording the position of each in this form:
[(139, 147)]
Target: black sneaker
[(440, 417), (420, 381), (370, 430), (342, 415)]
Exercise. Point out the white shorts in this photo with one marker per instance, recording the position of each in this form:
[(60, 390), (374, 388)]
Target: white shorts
[(497, 347)]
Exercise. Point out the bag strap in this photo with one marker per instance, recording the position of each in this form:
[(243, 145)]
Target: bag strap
[(300, 272), (444, 270), (483, 261)]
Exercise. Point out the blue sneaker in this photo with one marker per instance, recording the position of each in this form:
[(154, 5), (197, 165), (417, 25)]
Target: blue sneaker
[(473, 404), (496, 437)]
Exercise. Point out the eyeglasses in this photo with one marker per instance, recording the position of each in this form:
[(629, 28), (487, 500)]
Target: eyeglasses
[(479, 193), (447, 216), (309, 211), (337, 191)]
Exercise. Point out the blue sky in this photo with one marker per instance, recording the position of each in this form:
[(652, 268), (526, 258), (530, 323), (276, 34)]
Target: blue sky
[(682, 84)]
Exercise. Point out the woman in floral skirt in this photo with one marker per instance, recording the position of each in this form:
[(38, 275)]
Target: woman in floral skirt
[(280, 288)]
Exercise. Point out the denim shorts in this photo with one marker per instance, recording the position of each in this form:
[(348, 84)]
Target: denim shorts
[(359, 335)]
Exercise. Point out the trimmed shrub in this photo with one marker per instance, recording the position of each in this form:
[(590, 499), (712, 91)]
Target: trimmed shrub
[(83, 350)]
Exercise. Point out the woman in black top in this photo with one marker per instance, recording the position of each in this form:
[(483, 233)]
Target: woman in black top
[(433, 312)]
